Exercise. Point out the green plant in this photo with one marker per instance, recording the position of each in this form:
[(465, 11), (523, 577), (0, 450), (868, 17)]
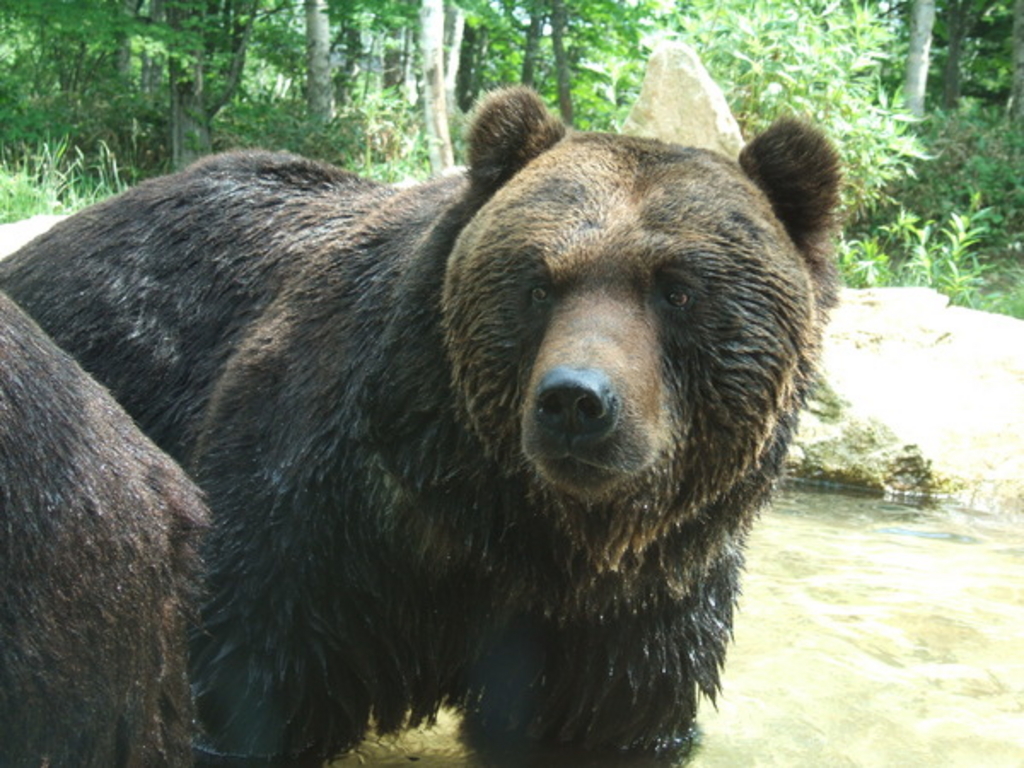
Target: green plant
[(865, 264), (911, 251), (972, 153), (947, 258), (821, 60), (1004, 291)]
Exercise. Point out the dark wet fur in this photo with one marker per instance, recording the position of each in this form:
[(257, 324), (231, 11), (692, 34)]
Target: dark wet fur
[(98, 567)]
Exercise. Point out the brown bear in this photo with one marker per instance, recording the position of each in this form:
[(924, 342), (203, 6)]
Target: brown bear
[(493, 442), (98, 571)]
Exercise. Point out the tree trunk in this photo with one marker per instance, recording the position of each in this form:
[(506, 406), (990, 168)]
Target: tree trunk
[(454, 28), (922, 19), (190, 129), (956, 26), (152, 65), (201, 34), (1017, 90), (410, 82), (393, 75), (352, 52), (532, 48), (236, 30), (432, 47), (559, 22), (467, 81), (319, 94), (123, 61)]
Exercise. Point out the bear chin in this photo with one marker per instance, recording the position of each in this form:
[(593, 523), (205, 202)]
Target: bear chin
[(587, 477), (578, 478)]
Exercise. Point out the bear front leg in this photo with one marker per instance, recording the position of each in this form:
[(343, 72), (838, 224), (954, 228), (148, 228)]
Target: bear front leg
[(625, 682)]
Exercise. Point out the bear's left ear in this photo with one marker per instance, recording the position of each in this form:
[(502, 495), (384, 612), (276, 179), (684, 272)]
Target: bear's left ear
[(510, 128), (798, 169)]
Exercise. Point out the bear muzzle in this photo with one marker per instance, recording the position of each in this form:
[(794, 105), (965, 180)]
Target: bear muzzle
[(577, 432)]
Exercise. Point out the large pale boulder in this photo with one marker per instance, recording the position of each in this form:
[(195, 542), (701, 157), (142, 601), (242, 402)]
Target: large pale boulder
[(919, 398), (680, 103)]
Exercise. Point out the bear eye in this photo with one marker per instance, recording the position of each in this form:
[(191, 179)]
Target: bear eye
[(677, 297), (539, 295)]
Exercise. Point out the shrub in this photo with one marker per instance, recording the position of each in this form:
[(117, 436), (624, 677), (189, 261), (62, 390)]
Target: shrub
[(971, 153), (910, 251), (822, 61)]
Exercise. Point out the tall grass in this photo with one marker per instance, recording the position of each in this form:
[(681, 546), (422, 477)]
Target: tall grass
[(54, 178)]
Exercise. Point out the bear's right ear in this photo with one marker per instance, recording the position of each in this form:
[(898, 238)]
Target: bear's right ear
[(510, 128)]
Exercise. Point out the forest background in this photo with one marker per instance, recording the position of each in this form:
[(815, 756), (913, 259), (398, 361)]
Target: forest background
[(925, 99)]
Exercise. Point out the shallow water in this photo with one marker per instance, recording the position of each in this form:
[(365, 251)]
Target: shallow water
[(869, 634)]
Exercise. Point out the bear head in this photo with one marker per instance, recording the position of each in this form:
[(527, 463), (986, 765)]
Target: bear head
[(630, 324)]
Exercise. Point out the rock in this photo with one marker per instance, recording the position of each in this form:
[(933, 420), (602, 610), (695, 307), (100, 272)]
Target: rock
[(680, 103), (13, 236), (920, 399)]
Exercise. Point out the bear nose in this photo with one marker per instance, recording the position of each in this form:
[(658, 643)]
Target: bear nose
[(577, 403)]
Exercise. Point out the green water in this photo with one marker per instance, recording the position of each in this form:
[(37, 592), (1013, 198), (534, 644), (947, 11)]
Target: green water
[(869, 634)]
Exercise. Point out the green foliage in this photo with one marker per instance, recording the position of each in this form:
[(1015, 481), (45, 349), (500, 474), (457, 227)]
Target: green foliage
[(64, 83), (910, 251), (972, 153), (86, 81), (821, 60), (607, 43), (54, 179), (1005, 292), (379, 137), (984, 29), (865, 263), (974, 161), (832, 62)]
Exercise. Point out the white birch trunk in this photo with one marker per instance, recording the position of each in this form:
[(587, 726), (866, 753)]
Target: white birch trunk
[(432, 47), (455, 23), (922, 19)]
